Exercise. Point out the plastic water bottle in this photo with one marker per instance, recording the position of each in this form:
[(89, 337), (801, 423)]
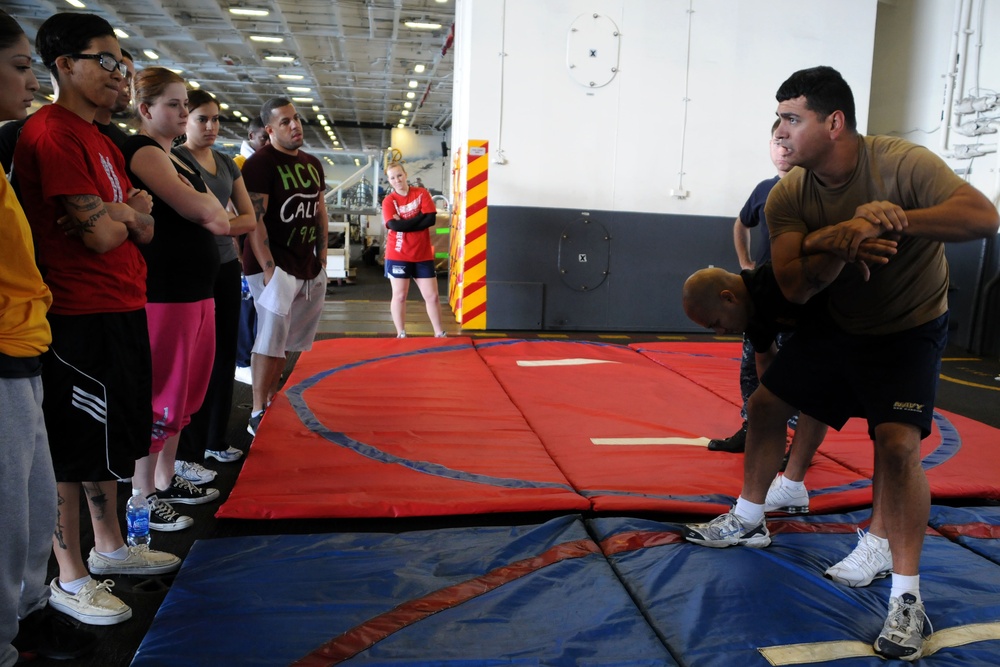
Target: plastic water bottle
[(137, 518)]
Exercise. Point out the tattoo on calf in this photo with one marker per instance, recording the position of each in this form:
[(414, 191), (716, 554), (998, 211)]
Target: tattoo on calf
[(98, 501), (59, 529)]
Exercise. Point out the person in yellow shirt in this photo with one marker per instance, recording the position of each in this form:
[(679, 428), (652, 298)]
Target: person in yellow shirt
[(27, 624)]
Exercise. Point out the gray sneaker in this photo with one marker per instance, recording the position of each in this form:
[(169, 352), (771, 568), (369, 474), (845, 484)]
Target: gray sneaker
[(141, 560), (728, 531), (869, 561), (782, 499), (902, 636)]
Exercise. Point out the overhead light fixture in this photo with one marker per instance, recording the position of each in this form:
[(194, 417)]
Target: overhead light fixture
[(279, 59), (320, 116), (237, 113), (299, 89), (410, 96), (151, 54), (302, 99), (175, 70), (123, 125), (315, 108), (407, 105), (121, 33), (291, 77), (413, 84), (322, 121), (248, 11), (419, 68), (267, 38), (223, 106), (336, 143), (422, 25), (77, 4), (194, 84), (404, 112)]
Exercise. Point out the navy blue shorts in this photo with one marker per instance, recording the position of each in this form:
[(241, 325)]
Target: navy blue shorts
[(832, 376), (397, 269)]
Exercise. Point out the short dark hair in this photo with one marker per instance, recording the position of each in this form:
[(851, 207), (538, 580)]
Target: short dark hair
[(68, 32), (825, 91), (198, 97), (270, 106), (126, 54), (256, 125), (10, 30)]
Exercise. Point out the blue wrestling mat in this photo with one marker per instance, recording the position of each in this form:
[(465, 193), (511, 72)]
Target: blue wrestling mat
[(609, 591)]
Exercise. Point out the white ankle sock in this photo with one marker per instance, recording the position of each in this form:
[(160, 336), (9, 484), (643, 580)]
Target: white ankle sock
[(257, 414), (905, 583), (74, 587), (749, 513), (121, 553)]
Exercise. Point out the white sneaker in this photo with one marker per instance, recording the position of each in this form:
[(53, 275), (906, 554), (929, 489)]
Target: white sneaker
[(141, 560), (243, 375), (781, 498), (727, 530), (94, 604), (870, 560), (193, 472)]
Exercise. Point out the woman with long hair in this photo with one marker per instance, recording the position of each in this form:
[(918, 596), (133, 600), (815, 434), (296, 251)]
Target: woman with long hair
[(205, 436), (182, 264)]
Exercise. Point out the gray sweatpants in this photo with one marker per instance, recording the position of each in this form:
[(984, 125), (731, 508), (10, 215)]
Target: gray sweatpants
[(27, 507)]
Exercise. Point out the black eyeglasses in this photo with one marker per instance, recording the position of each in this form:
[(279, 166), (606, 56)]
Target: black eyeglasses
[(105, 60)]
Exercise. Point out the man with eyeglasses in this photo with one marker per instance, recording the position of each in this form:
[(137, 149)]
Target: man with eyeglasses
[(87, 220)]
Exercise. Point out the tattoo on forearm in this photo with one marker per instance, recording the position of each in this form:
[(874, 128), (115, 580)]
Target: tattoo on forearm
[(810, 275), (59, 529), (84, 212)]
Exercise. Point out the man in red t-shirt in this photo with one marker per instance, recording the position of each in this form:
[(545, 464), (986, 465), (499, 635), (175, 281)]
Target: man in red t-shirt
[(408, 213), (86, 220)]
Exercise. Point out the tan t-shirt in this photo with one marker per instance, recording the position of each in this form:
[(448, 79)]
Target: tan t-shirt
[(912, 288)]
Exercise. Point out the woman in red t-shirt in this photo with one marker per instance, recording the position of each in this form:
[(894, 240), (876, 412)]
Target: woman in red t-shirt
[(408, 214)]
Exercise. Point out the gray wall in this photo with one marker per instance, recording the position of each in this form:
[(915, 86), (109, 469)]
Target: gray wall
[(562, 269)]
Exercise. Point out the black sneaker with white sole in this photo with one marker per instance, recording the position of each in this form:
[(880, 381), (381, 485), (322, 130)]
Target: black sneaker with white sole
[(186, 493), (164, 518)]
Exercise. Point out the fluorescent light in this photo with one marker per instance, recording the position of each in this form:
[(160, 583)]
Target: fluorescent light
[(302, 99), (410, 96), (315, 108), (404, 112), (419, 68), (291, 77), (223, 106), (322, 121), (243, 11), (267, 38), (123, 125), (77, 4), (407, 105), (413, 84), (151, 54), (357, 162), (422, 25), (194, 84), (320, 116), (121, 33), (299, 89), (280, 59)]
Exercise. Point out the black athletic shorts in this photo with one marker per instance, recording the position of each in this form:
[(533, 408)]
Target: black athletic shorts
[(833, 376), (98, 385)]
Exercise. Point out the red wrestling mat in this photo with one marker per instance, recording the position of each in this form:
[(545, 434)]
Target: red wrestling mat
[(420, 427), (387, 427)]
